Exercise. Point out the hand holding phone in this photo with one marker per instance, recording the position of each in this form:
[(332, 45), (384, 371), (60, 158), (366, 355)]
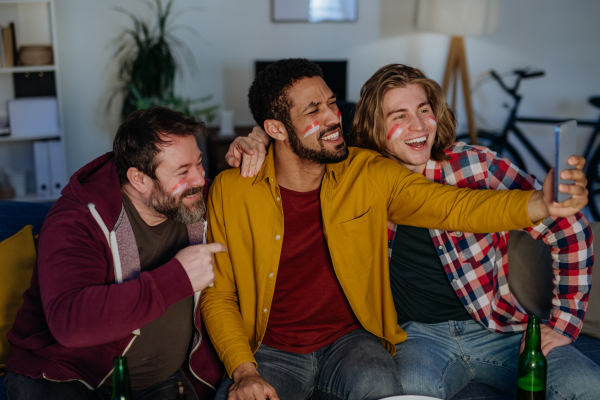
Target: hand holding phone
[(566, 146)]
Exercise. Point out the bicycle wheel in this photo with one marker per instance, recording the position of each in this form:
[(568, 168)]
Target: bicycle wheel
[(495, 143), (593, 178)]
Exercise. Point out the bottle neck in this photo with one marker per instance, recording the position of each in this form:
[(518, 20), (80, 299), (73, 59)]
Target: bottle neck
[(533, 338), (121, 376)]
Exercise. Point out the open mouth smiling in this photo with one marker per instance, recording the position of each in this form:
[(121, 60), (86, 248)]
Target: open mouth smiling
[(416, 142)]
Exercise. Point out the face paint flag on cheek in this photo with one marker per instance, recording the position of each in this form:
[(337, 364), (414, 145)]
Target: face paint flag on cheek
[(339, 113), (394, 132), (180, 187), (432, 121), (312, 128)]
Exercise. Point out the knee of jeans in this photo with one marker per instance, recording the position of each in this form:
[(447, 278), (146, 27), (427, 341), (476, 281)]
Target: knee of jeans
[(421, 385), (370, 386)]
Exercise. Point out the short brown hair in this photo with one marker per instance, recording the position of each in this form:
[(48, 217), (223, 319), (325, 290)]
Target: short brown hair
[(139, 137), (368, 126)]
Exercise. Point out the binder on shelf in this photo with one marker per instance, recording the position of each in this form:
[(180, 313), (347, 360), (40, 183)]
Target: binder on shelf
[(58, 169), (41, 154)]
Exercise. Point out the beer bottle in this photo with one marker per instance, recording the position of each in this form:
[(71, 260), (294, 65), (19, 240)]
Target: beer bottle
[(532, 366), (120, 381)]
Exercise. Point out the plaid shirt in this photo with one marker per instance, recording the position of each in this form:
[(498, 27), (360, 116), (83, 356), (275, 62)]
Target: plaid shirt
[(477, 264)]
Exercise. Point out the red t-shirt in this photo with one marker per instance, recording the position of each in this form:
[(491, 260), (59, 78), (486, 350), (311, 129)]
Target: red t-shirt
[(309, 308)]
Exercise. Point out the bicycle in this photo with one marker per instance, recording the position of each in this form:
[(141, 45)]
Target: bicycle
[(498, 140)]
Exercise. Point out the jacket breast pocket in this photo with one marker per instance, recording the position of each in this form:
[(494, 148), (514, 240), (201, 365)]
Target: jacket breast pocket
[(357, 242), (476, 247)]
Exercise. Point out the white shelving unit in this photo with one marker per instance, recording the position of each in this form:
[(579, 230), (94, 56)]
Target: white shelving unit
[(35, 24)]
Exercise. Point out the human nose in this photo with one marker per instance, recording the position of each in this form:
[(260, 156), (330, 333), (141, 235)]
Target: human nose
[(197, 177), (334, 116), (416, 123)]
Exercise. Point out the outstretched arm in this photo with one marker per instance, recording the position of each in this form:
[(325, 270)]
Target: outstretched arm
[(570, 240)]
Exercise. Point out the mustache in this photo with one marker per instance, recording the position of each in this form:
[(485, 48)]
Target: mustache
[(190, 192), (330, 128)]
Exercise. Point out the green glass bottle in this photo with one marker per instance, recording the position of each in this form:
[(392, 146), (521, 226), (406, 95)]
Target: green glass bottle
[(120, 381), (532, 366)]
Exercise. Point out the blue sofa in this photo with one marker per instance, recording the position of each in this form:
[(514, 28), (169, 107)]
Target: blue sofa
[(14, 216)]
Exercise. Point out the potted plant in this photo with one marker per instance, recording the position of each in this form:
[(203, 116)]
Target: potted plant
[(148, 65)]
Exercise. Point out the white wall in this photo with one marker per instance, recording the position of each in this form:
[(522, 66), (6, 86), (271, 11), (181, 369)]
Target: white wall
[(554, 35)]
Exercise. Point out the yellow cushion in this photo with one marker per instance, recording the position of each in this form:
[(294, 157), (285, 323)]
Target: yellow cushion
[(16, 266)]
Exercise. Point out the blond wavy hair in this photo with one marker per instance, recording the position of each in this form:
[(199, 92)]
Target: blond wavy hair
[(368, 127)]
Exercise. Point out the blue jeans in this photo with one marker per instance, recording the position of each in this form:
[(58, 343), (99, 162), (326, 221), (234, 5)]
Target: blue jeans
[(356, 366), (439, 360), (22, 387)]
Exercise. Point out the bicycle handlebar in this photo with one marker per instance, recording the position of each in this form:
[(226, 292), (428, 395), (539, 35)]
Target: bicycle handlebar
[(521, 73), (525, 75)]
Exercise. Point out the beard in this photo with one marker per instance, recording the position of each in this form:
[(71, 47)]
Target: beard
[(322, 155), (173, 208)]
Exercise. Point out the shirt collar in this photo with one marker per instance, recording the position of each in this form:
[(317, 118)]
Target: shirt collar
[(268, 169)]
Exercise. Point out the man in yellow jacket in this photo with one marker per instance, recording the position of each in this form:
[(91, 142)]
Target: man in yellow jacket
[(301, 304)]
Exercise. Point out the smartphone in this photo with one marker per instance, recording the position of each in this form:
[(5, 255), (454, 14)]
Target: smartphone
[(566, 146)]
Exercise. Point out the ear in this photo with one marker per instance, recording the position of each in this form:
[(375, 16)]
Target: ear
[(275, 129), (139, 181)]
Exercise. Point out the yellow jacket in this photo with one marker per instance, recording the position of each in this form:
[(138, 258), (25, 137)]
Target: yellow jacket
[(358, 197)]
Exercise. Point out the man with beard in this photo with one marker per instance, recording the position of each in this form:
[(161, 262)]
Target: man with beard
[(302, 304), (119, 269)]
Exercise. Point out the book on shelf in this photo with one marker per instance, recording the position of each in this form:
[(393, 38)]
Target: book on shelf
[(7, 47), (1, 50), (14, 44)]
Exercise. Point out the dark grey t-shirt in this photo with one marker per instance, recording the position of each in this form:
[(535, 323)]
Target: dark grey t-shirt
[(160, 350), (420, 286)]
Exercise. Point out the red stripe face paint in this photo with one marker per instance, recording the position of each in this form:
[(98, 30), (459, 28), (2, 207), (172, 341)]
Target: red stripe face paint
[(394, 132), (432, 121), (312, 128), (180, 187)]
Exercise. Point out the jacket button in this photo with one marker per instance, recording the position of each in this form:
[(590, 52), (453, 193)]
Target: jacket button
[(265, 310), (441, 247), (459, 234), (454, 280), (470, 310), (278, 199), (277, 237), (271, 275)]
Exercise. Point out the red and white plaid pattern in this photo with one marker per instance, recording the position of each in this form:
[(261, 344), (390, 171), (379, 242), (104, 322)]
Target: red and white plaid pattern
[(479, 262)]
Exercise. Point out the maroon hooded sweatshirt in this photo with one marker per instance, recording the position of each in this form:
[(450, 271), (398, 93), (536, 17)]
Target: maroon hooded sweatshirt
[(75, 319)]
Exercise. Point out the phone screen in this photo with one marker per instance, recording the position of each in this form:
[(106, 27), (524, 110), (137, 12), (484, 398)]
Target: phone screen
[(566, 146)]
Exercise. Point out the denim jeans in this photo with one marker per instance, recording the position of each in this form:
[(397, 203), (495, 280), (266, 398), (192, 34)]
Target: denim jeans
[(356, 366), (22, 387), (439, 360)]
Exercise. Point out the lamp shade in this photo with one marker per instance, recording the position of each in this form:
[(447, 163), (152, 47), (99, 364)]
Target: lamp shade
[(458, 17)]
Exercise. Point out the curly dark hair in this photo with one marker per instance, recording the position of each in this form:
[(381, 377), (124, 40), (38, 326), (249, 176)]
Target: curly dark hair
[(267, 96), (137, 140)]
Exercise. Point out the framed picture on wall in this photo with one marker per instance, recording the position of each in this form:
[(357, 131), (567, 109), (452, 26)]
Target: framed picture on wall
[(314, 10)]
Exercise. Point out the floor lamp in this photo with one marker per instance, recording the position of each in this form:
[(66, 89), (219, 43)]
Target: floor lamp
[(458, 18)]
